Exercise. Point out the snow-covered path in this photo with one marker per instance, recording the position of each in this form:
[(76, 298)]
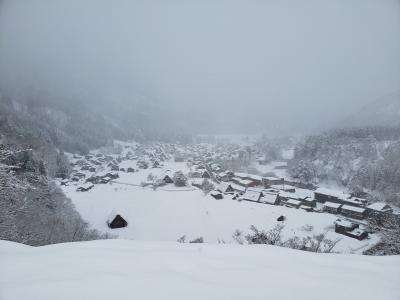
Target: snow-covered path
[(122, 269)]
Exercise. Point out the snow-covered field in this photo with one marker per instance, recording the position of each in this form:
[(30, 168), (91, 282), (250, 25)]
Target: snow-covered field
[(169, 213), (122, 269)]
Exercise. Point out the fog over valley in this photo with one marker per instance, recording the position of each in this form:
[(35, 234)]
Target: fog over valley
[(182, 149), (216, 66)]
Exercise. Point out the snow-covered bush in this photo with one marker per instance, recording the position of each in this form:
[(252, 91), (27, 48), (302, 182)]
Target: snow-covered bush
[(315, 243), (198, 240), (271, 237), (238, 237), (206, 186), (179, 179)]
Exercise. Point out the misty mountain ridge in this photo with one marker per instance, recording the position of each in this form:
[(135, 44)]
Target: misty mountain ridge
[(383, 112)]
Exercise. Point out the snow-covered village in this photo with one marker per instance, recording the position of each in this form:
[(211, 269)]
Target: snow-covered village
[(181, 193), (200, 150)]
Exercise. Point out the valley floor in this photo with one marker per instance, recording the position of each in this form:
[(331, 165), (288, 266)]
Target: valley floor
[(124, 269), (170, 213)]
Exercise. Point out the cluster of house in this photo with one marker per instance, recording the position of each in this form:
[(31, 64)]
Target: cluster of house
[(348, 205), (98, 168), (275, 191), (266, 190), (206, 163)]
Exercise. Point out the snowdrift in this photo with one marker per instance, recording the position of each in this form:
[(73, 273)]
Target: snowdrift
[(123, 269)]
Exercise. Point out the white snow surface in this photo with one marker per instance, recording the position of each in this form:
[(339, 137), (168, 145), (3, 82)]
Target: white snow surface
[(123, 269)]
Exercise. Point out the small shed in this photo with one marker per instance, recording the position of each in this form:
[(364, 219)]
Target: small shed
[(216, 195), (116, 221), (281, 219)]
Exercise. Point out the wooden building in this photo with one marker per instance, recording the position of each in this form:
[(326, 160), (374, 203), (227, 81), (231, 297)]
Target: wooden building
[(350, 229), (116, 221), (379, 208), (225, 188), (270, 198), (293, 203), (323, 195), (269, 181), (332, 208), (252, 196), (353, 212)]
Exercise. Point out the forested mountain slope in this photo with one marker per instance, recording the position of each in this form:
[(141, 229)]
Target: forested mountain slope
[(365, 158), (34, 134), (33, 137)]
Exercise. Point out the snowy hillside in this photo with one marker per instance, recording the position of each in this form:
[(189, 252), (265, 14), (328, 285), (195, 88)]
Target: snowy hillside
[(383, 112), (121, 269)]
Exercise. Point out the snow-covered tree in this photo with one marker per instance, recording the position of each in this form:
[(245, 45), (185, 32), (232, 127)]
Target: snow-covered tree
[(179, 179)]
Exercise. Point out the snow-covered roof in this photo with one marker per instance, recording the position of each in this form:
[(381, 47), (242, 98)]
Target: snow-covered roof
[(344, 223), (286, 186), (272, 178), (255, 177), (238, 187), (241, 175), (356, 201), (269, 198), (111, 216), (332, 192), (308, 199), (353, 208), (223, 186), (251, 195), (379, 206), (292, 195), (256, 189), (245, 181), (332, 205), (306, 207), (293, 202)]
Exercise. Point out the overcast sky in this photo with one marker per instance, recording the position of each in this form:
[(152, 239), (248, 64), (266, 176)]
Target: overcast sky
[(244, 65)]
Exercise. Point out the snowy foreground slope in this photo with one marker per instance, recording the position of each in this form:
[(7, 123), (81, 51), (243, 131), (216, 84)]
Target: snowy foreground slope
[(112, 269)]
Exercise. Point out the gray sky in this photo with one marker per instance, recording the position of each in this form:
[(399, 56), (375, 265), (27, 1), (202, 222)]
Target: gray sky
[(289, 66)]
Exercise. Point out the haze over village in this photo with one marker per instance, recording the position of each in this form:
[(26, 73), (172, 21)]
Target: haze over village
[(199, 149)]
